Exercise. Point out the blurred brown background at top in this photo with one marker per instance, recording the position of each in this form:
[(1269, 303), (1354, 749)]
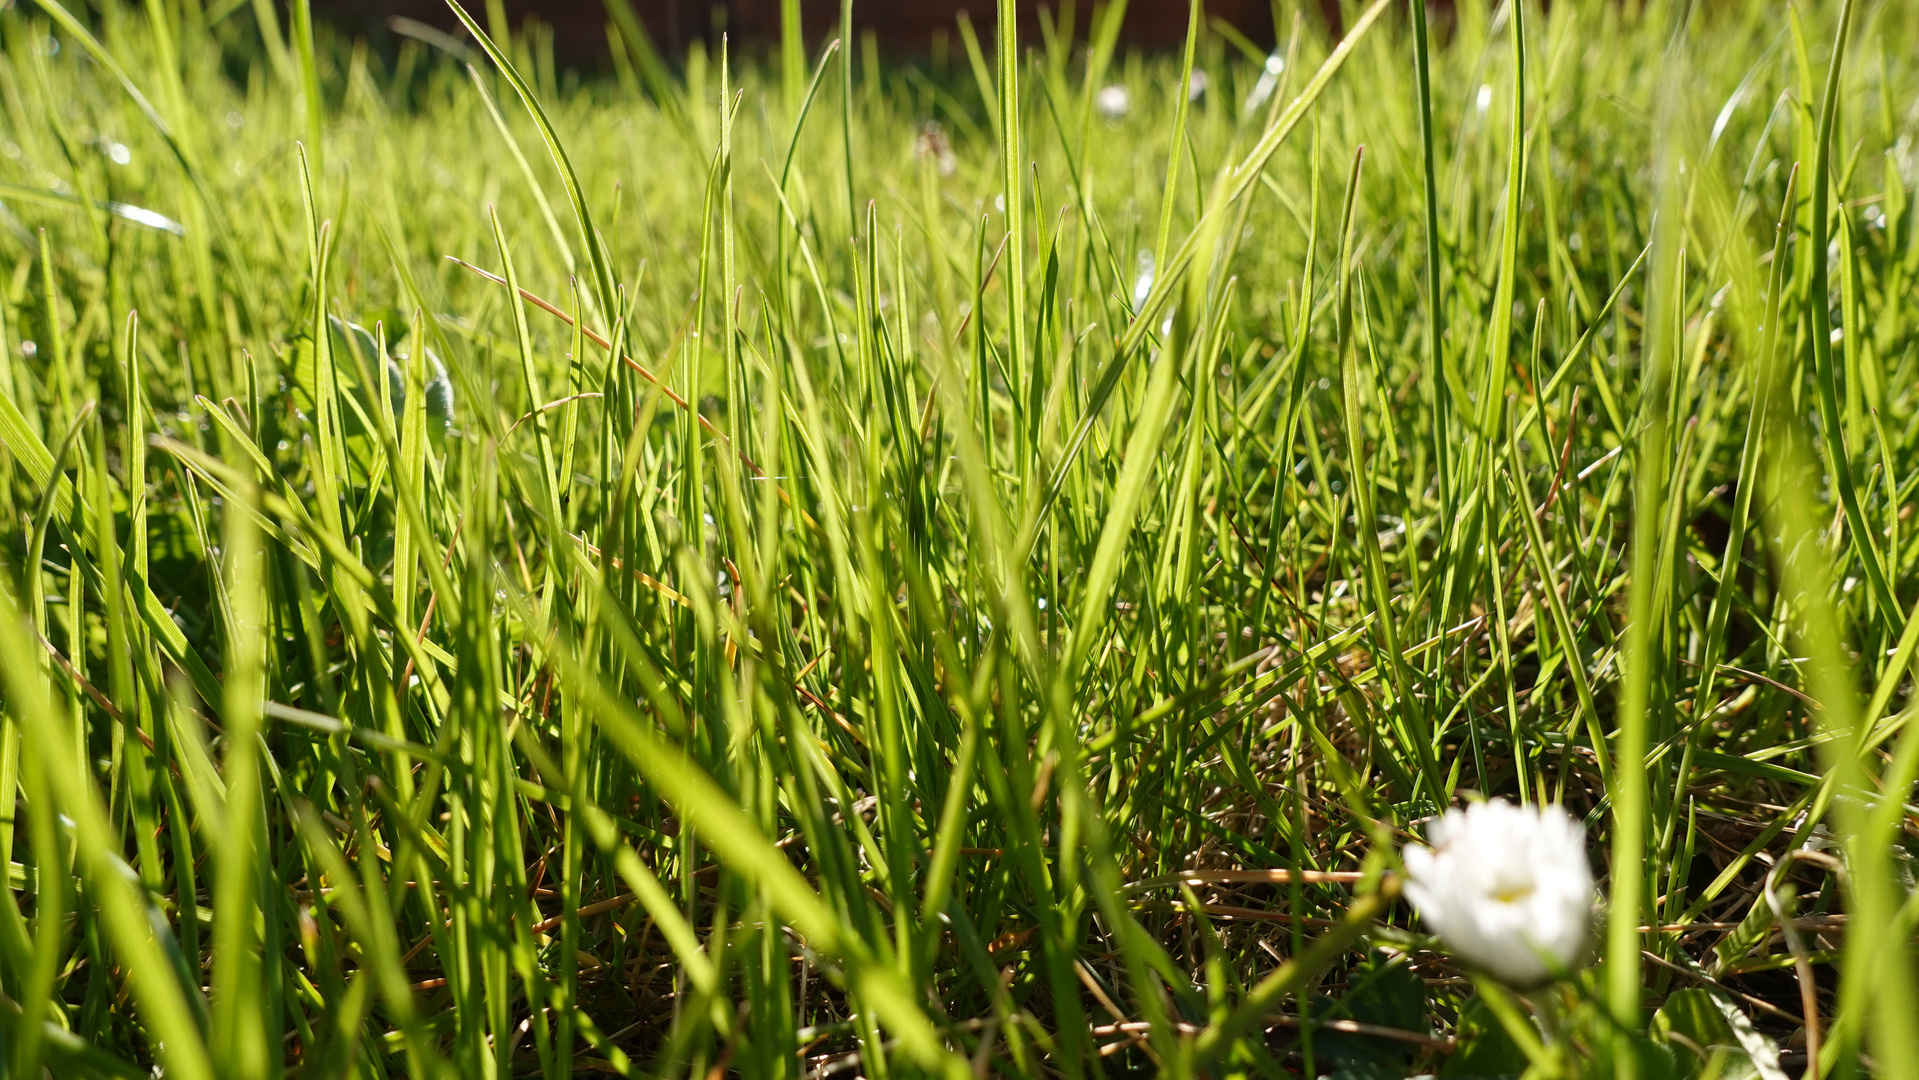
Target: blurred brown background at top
[(901, 27)]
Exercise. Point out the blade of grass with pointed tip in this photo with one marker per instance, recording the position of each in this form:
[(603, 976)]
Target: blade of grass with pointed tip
[(596, 257)]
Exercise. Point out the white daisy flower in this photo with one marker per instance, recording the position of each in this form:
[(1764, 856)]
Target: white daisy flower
[(1507, 888)]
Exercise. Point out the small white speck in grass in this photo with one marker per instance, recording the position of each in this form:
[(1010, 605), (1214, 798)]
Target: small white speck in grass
[(1485, 97), (1268, 81), (141, 215), (235, 120), (1113, 102), (29, 349), (118, 153)]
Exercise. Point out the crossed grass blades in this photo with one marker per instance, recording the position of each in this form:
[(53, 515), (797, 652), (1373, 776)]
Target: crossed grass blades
[(812, 564)]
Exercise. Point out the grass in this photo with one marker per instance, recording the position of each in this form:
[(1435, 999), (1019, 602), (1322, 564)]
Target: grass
[(790, 565)]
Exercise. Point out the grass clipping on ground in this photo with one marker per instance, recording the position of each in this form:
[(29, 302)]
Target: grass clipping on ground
[(969, 566)]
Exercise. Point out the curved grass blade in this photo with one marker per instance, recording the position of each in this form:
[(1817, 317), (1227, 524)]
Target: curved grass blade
[(596, 256)]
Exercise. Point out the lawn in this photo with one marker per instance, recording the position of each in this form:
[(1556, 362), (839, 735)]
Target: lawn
[(797, 562)]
